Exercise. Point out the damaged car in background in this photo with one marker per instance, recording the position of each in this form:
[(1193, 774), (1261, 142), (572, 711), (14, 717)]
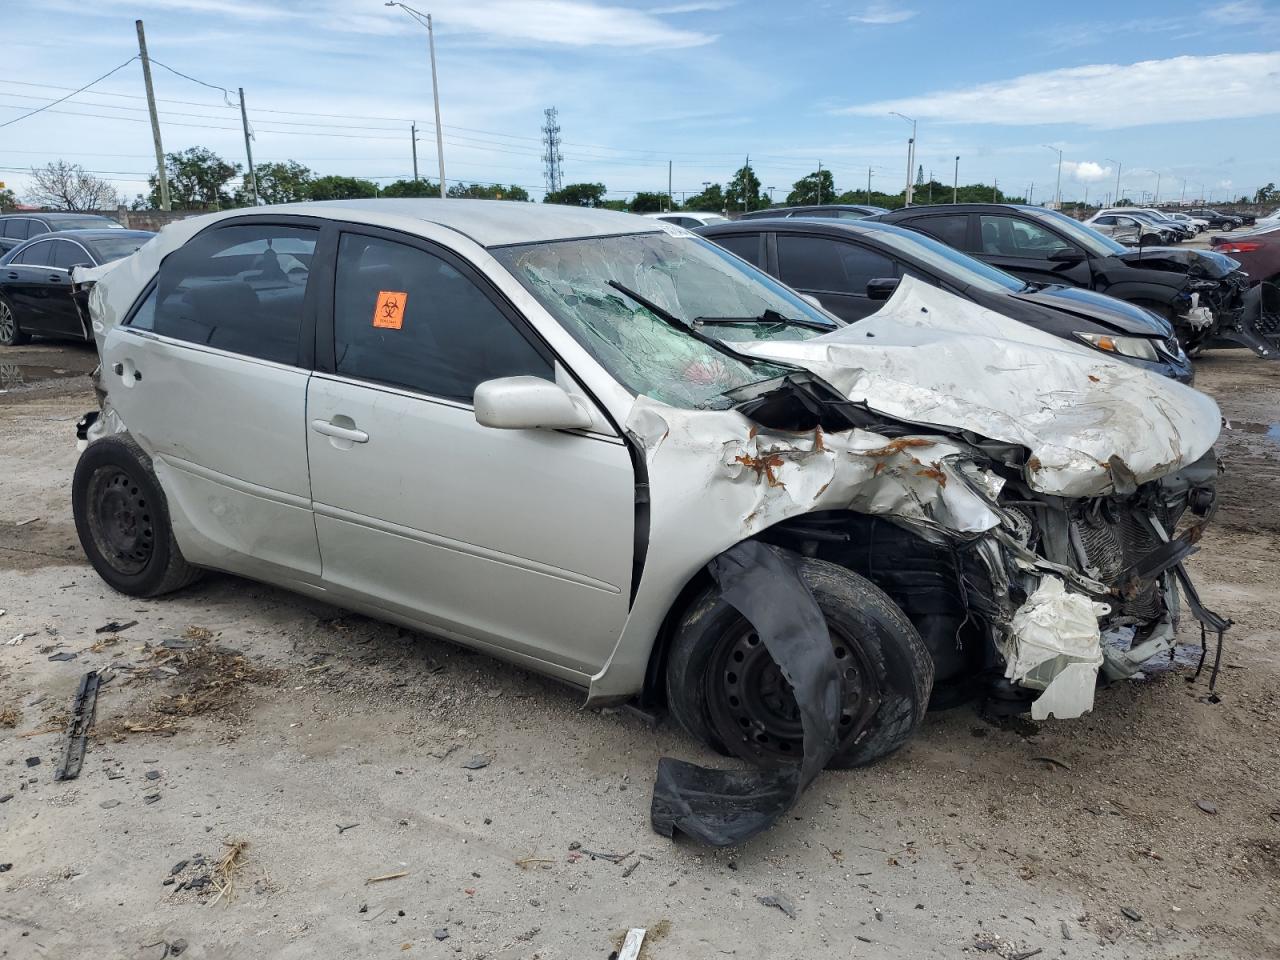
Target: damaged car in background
[(1204, 295), (510, 425)]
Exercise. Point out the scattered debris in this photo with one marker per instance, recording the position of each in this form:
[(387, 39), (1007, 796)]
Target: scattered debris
[(15, 640), (1051, 761), (1208, 806), (343, 829), (64, 656), (33, 761), (198, 633), (1132, 914), (228, 868), (631, 868), (1066, 930), (781, 901), (151, 798), (5, 867), (177, 947), (611, 857), (83, 706), (441, 934), (478, 762), (115, 626), (387, 876), (108, 804), (632, 944), (23, 523), (6, 798), (178, 867), (9, 717), (523, 864), (1026, 954)]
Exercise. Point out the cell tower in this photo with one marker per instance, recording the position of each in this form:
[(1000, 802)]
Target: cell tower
[(552, 157)]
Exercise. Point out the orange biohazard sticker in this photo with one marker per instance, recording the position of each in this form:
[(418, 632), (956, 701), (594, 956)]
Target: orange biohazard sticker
[(388, 313)]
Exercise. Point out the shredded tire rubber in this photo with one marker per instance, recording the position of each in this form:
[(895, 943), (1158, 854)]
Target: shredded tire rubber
[(722, 808)]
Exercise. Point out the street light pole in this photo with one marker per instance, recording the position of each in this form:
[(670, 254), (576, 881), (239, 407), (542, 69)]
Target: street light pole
[(1117, 163), (413, 139), (908, 193), (955, 183), (425, 20), (1057, 198), (248, 150), (1155, 199)]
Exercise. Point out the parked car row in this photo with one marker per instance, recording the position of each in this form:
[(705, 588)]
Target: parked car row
[(17, 227)]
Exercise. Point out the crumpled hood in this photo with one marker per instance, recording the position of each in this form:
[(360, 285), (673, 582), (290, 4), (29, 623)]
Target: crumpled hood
[(1203, 262), (1116, 315), (932, 358)]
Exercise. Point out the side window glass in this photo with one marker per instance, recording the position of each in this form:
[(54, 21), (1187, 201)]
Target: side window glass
[(951, 229), (35, 228), (66, 254), (37, 255), (1107, 221), (144, 318), (745, 245), (818, 213), (406, 317), (238, 288), (1012, 237), (830, 266), (15, 228)]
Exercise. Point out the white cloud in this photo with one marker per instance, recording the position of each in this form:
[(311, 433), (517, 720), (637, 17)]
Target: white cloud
[(882, 13), (1176, 90), (695, 6), (1086, 171)]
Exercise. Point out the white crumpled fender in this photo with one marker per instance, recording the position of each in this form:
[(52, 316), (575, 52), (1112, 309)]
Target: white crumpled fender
[(1054, 645), (930, 357)]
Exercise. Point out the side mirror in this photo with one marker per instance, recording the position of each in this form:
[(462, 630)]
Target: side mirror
[(528, 403), (1066, 255), (811, 300), (881, 288)]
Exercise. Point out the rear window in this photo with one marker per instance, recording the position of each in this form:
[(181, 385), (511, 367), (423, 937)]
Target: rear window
[(86, 223)]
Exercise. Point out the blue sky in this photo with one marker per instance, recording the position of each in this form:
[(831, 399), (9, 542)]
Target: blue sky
[(1172, 89)]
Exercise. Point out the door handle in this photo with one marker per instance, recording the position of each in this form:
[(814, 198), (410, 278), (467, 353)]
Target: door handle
[(339, 432), (55, 278), (13, 274)]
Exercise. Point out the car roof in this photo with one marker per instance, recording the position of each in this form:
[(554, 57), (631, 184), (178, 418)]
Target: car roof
[(490, 223), (54, 215), (91, 233), (812, 225)]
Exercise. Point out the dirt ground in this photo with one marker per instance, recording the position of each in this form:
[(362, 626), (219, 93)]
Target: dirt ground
[(341, 749)]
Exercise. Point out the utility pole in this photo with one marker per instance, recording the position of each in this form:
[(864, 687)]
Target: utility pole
[(1183, 198), (425, 20), (908, 193), (868, 186), (995, 189), (746, 173), (1117, 163), (1057, 198), (1155, 199), (248, 150), (955, 182), (819, 183), (668, 185), (413, 141), (931, 186), (161, 174), (1086, 196), (1031, 193)]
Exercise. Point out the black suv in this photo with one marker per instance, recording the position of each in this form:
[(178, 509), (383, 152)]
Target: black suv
[(1217, 221), (1201, 293), (16, 227)]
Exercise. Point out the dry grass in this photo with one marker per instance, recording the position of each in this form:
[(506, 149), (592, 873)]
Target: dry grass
[(228, 869), (10, 716)]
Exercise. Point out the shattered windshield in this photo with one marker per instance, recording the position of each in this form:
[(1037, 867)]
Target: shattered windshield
[(587, 285)]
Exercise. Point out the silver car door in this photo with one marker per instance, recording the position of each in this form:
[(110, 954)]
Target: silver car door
[(209, 374), (519, 540)]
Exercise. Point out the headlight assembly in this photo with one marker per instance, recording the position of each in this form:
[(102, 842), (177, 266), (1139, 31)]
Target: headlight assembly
[(1140, 348)]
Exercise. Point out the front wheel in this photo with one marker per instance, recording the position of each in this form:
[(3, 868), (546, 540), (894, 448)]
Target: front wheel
[(11, 334), (725, 689), (122, 520)]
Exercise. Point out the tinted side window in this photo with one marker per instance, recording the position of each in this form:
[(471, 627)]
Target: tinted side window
[(15, 228), (1107, 221), (36, 255), (238, 288), (816, 213), (406, 317), (1012, 237), (745, 245), (951, 229), (35, 228), (815, 263), (65, 254)]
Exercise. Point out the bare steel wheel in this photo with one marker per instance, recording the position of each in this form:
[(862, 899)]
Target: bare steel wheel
[(120, 521)]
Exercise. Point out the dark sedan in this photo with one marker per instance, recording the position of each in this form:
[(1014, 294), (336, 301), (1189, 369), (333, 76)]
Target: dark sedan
[(834, 211), (35, 280), (1258, 253), (1200, 292), (16, 227), (852, 267)]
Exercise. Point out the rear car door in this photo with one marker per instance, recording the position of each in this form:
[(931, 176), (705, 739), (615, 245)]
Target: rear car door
[(835, 271), (520, 541), (40, 287), (1030, 250), (209, 373)]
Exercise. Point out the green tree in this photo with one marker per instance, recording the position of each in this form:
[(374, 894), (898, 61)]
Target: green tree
[(286, 182), (198, 180), (710, 200), (644, 202), (578, 195), (487, 191), (619, 205), (1267, 194), (335, 187), (412, 188), (920, 175), (743, 192), (7, 200), (816, 187)]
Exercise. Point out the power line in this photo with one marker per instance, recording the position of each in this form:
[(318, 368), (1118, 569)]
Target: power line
[(54, 103)]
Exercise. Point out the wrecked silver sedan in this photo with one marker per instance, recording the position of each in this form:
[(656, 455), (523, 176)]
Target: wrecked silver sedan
[(610, 451)]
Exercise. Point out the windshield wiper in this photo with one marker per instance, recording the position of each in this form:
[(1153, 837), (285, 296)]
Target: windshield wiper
[(769, 316), (683, 326)]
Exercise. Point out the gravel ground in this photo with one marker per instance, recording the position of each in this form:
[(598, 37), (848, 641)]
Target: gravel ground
[(1153, 829)]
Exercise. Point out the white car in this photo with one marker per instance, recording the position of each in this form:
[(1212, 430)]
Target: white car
[(610, 451), (688, 218), (1125, 228), (1200, 226)]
